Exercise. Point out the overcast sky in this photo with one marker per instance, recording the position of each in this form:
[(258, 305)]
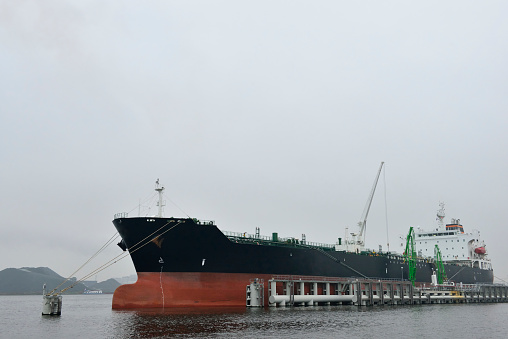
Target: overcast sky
[(271, 114)]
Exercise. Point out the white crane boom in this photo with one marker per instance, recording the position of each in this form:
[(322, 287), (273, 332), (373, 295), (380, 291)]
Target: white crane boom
[(363, 221)]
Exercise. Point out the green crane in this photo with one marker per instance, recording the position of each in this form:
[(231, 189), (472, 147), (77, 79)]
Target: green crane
[(441, 274), (410, 255)]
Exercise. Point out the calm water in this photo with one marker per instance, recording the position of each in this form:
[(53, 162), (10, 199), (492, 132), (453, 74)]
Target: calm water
[(91, 316)]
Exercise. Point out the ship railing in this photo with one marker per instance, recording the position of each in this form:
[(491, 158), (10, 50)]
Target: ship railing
[(289, 277), (460, 287), (121, 215), (456, 287), (204, 222), (282, 241), (379, 279), (307, 278), (246, 236), (491, 284), (318, 244), (468, 287), (249, 236)]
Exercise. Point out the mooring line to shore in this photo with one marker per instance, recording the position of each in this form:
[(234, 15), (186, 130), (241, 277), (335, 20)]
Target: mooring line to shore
[(117, 258)]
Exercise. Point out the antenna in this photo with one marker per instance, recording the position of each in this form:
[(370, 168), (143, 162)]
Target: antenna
[(440, 215), (160, 203), (386, 213)]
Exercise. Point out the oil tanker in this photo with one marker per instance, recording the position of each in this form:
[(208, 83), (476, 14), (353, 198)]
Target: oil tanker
[(186, 262)]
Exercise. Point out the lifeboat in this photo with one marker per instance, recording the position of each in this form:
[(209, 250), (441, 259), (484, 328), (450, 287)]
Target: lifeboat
[(480, 250)]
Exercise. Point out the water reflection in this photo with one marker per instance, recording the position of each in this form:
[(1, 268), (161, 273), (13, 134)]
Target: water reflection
[(92, 317), (149, 323), (206, 322)]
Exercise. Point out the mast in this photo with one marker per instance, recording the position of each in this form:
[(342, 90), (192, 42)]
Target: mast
[(441, 215), (160, 203)]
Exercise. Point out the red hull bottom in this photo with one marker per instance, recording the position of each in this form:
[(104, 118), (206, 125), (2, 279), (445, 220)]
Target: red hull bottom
[(159, 290)]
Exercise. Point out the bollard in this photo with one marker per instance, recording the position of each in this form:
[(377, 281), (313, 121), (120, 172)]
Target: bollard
[(51, 305)]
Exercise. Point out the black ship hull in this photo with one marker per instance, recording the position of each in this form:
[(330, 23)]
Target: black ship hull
[(181, 262)]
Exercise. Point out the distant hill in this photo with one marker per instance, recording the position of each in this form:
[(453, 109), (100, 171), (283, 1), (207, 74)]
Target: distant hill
[(131, 279), (29, 280), (107, 286)]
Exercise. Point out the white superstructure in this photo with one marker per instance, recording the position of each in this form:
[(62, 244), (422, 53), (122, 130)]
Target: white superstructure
[(456, 246)]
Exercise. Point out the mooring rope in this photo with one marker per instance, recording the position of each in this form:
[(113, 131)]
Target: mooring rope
[(86, 262), (171, 201), (121, 256), (340, 262), (457, 272), (501, 279)]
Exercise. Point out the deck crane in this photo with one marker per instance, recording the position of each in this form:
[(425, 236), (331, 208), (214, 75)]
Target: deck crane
[(359, 238), (440, 271), (410, 255)]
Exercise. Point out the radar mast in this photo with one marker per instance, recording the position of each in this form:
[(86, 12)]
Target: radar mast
[(160, 203), (440, 215)]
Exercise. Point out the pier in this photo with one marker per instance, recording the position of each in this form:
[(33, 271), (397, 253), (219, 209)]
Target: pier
[(314, 291)]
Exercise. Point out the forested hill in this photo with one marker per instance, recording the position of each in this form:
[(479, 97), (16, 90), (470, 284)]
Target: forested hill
[(30, 280)]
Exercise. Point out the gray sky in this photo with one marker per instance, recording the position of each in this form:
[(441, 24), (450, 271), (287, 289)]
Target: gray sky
[(273, 114)]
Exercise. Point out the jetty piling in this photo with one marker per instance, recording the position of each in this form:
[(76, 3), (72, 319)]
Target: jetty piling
[(314, 291), (255, 293)]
